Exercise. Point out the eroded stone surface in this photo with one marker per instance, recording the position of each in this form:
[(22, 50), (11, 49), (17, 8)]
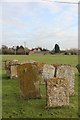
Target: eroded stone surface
[(67, 72), (29, 80), (40, 66), (48, 71), (14, 71), (11, 68), (57, 92)]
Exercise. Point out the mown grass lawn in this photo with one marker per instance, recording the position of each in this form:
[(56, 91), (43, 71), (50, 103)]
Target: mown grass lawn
[(16, 107)]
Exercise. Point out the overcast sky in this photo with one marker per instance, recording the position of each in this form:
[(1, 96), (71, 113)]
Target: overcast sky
[(39, 23)]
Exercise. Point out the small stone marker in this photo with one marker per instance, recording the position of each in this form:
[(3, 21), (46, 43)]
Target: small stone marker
[(11, 68), (6, 62), (13, 72), (29, 80), (57, 92), (48, 71), (67, 72), (8, 67), (14, 65)]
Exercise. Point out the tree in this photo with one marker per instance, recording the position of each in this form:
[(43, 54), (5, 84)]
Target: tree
[(17, 48), (5, 49), (56, 48), (20, 50)]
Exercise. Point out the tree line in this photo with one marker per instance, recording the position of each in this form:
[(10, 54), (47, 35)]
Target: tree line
[(20, 50), (14, 50)]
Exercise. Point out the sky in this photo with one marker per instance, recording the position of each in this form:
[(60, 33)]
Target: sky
[(39, 23)]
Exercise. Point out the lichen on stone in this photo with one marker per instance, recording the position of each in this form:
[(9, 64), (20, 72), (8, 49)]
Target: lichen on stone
[(29, 80), (67, 72), (57, 92)]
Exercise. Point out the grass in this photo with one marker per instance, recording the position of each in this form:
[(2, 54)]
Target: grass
[(16, 107), (64, 59)]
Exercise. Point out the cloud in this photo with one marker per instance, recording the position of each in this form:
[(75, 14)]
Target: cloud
[(20, 15), (3, 1), (68, 0), (41, 37), (52, 7), (40, 24), (37, 0)]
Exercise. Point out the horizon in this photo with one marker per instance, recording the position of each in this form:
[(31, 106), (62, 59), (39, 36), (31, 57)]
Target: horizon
[(40, 47)]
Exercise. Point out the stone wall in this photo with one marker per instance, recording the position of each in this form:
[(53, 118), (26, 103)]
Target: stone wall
[(57, 92), (29, 80)]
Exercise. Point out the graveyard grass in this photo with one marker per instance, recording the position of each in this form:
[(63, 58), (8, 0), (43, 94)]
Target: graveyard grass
[(16, 107)]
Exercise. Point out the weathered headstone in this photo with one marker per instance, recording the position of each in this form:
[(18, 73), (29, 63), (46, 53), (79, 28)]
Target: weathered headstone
[(13, 72), (6, 62), (14, 65), (48, 71), (57, 92), (78, 68), (11, 68), (29, 80), (8, 67), (40, 66), (67, 72)]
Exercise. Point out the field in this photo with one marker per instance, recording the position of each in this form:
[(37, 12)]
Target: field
[(16, 107)]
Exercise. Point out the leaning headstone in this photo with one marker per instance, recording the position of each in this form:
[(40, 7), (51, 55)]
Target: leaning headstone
[(29, 80), (57, 92), (67, 72), (48, 72)]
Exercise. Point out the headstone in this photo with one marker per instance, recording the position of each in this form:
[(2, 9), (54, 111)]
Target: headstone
[(40, 66), (8, 68), (78, 68), (57, 92), (29, 80), (67, 72), (11, 68), (6, 62), (13, 72), (48, 71)]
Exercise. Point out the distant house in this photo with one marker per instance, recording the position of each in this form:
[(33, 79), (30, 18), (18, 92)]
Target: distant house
[(31, 52), (38, 51), (34, 50), (45, 52)]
